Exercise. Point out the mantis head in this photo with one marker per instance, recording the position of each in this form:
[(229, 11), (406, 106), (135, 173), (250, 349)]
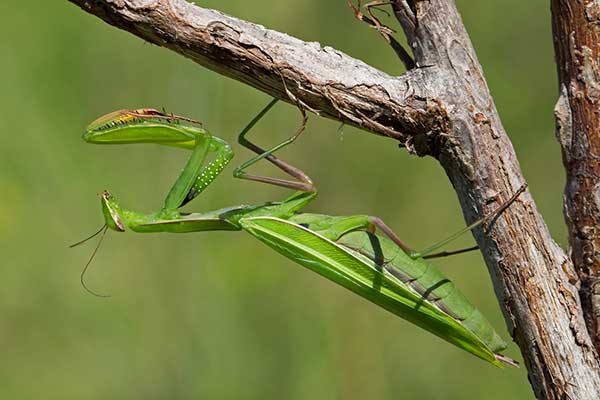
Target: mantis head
[(112, 220), (112, 212)]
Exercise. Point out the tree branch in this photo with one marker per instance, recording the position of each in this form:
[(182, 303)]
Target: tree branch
[(324, 79), (533, 278), (577, 44), (443, 109)]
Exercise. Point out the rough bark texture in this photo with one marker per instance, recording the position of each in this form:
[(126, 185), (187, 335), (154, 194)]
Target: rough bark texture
[(576, 26), (443, 109), (324, 79), (533, 278)]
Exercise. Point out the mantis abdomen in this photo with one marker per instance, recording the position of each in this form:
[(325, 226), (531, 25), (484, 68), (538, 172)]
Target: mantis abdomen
[(411, 289), (426, 280)]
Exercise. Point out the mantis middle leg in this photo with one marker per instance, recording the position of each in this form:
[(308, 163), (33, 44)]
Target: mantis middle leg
[(303, 183)]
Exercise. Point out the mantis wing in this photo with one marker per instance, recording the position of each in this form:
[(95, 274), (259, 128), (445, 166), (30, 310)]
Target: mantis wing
[(359, 274)]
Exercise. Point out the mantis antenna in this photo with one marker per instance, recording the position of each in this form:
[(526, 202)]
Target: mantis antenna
[(102, 233)]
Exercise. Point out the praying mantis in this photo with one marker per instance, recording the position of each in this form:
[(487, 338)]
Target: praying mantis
[(359, 252)]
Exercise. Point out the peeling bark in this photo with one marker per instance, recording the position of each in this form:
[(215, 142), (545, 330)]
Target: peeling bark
[(441, 108), (576, 26)]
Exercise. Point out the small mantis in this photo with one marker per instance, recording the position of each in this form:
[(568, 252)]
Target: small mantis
[(359, 252)]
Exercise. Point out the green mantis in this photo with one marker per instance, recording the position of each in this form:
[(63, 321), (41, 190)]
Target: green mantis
[(359, 252)]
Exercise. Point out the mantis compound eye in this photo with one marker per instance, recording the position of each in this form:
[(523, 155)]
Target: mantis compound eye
[(110, 209)]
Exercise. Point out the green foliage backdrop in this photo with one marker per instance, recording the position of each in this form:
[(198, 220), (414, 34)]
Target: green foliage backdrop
[(219, 315)]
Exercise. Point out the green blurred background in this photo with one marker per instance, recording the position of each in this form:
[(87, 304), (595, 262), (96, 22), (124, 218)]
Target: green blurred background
[(220, 315)]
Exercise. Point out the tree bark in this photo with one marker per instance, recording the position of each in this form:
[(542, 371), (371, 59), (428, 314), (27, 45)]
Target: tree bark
[(441, 108), (576, 26)]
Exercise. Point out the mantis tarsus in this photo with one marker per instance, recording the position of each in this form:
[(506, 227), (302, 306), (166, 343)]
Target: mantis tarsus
[(359, 252)]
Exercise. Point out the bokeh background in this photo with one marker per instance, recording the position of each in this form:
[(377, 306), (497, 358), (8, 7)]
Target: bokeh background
[(220, 315)]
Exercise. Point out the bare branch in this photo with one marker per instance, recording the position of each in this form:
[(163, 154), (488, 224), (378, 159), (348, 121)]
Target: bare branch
[(534, 280), (577, 44), (322, 78)]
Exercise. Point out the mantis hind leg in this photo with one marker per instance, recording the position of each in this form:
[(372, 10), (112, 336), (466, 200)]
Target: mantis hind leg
[(378, 223), (334, 228), (303, 183), (486, 218), (451, 253)]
